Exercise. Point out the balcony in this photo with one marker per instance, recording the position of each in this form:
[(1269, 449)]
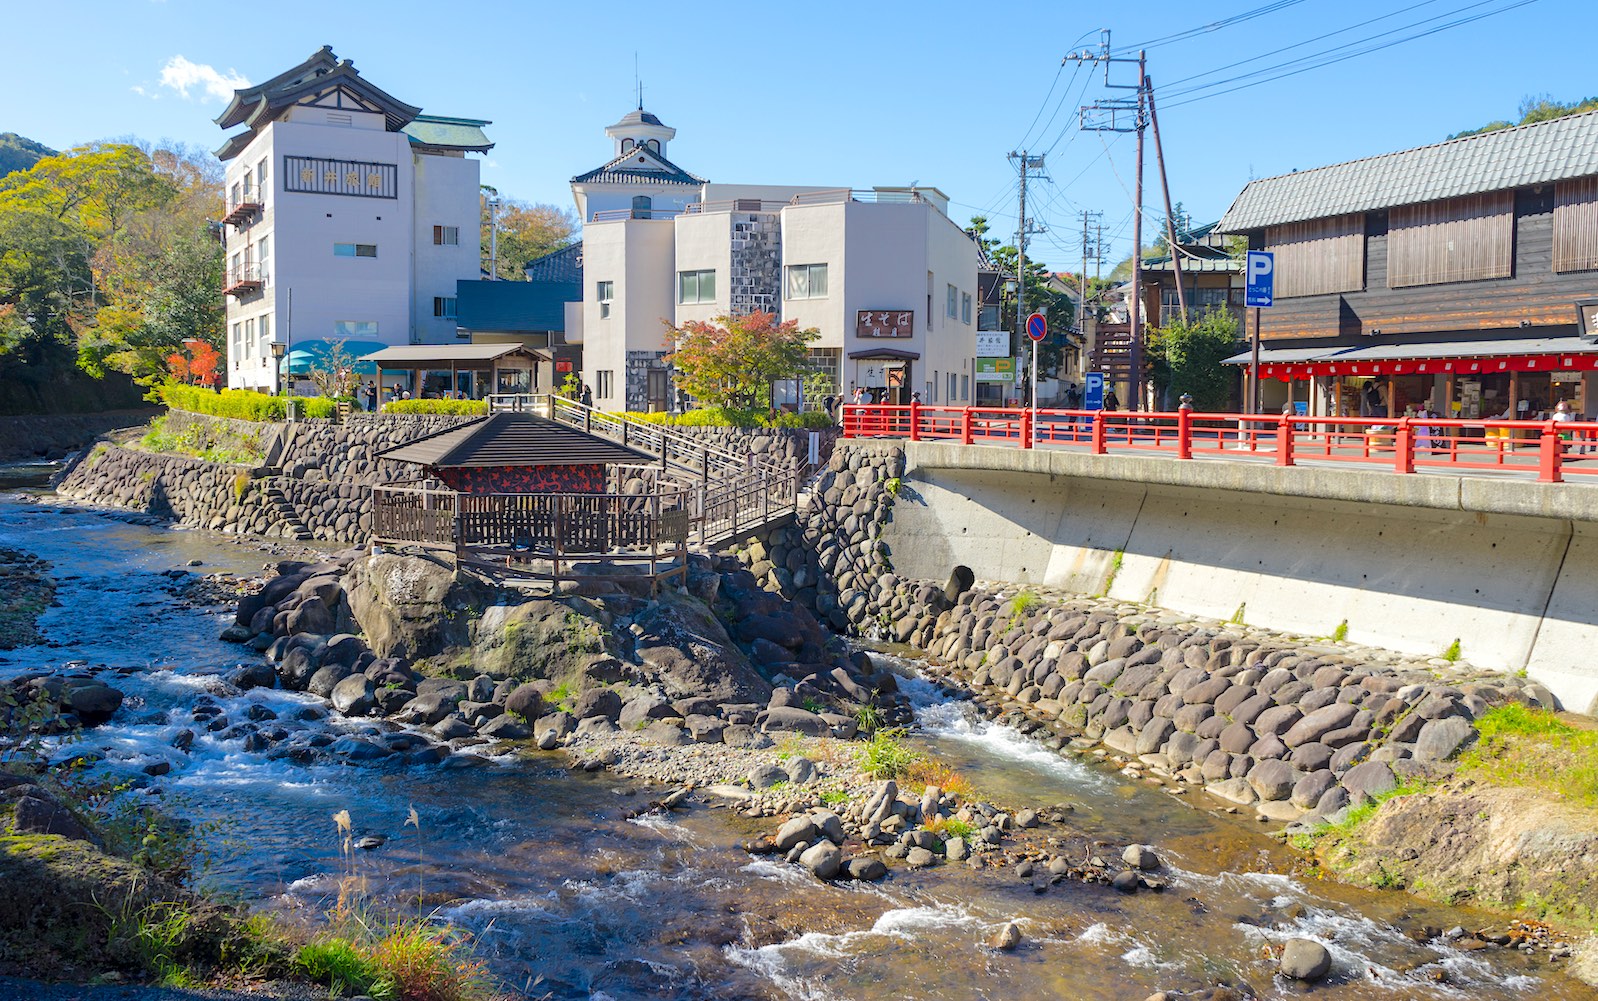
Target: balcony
[(244, 280), (240, 207)]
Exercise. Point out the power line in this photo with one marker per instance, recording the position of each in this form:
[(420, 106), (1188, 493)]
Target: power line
[(1249, 79), (1202, 29)]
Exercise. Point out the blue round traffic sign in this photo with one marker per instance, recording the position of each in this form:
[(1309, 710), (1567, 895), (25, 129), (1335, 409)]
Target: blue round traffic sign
[(1037, 326)]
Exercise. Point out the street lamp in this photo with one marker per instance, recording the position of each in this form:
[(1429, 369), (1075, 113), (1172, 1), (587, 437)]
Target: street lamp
[(279, 349)]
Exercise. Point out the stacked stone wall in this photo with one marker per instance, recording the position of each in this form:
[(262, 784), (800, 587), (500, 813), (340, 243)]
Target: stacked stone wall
[(191, 492), (1297, 728)]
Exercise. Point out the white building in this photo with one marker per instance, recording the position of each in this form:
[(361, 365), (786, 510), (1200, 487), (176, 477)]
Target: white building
[(352, 204), (886, 276)]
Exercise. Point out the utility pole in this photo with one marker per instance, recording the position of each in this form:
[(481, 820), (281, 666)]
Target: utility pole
[(1170, 219), (1027, 165), (1110, 115), (493, 238), (1090, 251)]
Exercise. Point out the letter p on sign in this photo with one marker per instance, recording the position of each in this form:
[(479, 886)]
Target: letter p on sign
[(1260, 270)]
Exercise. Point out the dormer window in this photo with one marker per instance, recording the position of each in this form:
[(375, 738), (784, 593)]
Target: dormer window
[(627, 145), (654, 145)]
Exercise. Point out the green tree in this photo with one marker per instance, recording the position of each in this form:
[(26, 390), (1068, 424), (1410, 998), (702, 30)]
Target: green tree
[(526, 231), (1186, 357), (1045, 293), (733, 360), (1534, 108)]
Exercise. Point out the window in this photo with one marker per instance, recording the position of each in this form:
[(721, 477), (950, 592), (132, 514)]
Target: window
[(237, 342), (355, 330), (965, 308), (988, 318), (248, 341), (626, 145), (643, 207), (354, 250), (446, 236), (263, 331), (604, 292), (951, 397), (1319, 256), (1458, 240), (807, 281), (260, 175), (953, 308), (696, 286), (654, 145), (444, 306), (263, 252), (604, 377), (965, 388), (1576, 225)]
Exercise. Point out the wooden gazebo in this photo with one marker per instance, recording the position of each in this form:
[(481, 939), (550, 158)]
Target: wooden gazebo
[(515, 493)]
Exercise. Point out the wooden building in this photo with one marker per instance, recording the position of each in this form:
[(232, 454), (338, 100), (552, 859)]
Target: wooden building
[(517, 453), (1449, 277)]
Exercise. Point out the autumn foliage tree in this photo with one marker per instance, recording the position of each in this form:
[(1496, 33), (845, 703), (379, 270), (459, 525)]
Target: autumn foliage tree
[(199, 366), (733, 360)]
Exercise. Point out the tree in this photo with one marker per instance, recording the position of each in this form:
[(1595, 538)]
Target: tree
[(1534, 108), (1043, 294), (1186, 357), (335, 374), (733, 360), (526, 231)]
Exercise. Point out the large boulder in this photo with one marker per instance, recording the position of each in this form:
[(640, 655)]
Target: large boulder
[(411, 606), (93, 702), (1441, 739), (1305, 959), (539, 638), (687, 652), (353, 695), (787, 719)]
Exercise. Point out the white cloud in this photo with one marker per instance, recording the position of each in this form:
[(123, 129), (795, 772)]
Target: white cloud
[(181, 75)]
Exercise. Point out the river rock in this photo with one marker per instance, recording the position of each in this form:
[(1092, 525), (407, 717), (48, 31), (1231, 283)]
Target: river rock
[(358, 749), (643, 708), (866, 869), (1319, 723), (452, 727), (327, 678), (1126, 881), (249, 676), (1273, 780), (1140, 857), (800, 770), (505, 727), (425, 710), (555, 726), (798, 830), (1368, 780), (919, 858), (787, 719), (955, 849), (1441, 739), (1305, 959), (37, 813), (92, 702), (823, 859), (1006, 938), (598, 702), (765, 776), (1307, 791), (353, 695), (527, 701)]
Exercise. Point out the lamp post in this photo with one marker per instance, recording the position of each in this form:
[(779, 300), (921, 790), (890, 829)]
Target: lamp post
[(279, 349)]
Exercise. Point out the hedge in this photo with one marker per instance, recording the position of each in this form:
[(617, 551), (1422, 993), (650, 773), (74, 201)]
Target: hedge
[(461, 408), (242, 404), (731, 417)]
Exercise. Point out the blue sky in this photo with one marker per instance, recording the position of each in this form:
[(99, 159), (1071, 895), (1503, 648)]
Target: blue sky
[(827, 93)]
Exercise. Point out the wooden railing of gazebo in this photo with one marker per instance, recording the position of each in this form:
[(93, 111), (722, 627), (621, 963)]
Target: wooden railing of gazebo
[(545, 536)]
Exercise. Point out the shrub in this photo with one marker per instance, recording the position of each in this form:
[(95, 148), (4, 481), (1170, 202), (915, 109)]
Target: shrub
[(337, 963), (884, 756), (462, 408), (242, 404)]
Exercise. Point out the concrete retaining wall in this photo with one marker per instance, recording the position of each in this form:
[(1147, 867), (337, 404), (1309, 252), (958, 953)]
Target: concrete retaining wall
[(1409, 563)]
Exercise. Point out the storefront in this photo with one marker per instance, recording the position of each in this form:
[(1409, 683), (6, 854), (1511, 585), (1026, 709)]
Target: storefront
[(884, 373), (1522, 379)]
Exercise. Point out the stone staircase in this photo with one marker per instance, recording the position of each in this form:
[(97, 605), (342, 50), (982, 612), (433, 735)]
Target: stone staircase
[(279, 502)]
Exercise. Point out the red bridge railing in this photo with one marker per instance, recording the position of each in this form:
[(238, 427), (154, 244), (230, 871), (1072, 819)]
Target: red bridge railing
[(1553, 450)]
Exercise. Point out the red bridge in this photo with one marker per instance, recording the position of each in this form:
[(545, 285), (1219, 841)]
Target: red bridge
[(1552, 451)]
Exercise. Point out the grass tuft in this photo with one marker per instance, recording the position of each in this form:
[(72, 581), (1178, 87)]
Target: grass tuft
[(1452, 654), (1535, 749), (1341, 632), (884, 755)]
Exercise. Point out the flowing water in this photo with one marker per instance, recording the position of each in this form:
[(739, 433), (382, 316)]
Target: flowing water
[(569, 899)]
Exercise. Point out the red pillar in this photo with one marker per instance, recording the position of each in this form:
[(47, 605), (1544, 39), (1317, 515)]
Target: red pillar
[(1098, 432), (1284, 441), (1404, 447), (965, 426), (1550, 455), (1184, 432)]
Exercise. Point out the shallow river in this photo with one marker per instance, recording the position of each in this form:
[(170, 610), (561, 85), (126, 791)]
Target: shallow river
[(568, 899)]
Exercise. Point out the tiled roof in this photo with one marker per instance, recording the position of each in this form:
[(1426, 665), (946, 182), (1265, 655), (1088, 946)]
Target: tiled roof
[(514, 307), (1540, 153), (563, 265), (639, 117), (513, 439), (634, 165), (449, 133)]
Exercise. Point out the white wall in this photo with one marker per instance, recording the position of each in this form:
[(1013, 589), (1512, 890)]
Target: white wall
[(704, 243), (667, 198), (446, 195), (637, 255), (394, 289), (814, 234)]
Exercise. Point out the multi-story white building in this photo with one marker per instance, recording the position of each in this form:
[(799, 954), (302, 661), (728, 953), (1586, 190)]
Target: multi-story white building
[(352, 205), (886, 276)]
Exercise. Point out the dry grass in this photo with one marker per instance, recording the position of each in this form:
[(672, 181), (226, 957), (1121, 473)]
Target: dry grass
[(929, 772)]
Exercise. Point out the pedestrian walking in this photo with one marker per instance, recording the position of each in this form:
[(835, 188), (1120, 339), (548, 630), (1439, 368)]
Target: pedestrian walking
[(587, 396)]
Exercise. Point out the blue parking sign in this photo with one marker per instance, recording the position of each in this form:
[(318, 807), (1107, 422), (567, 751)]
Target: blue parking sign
[(1260, 289), (1093, 391)]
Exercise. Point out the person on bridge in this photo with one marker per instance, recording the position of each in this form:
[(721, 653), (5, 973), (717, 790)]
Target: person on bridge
[(587, 397), (1111, 401)]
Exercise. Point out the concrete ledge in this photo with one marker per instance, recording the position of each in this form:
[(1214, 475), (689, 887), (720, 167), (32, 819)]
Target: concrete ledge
[(1439, 491)]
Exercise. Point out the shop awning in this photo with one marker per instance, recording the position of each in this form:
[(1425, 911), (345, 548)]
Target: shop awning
[(467, 356), (1460, 357), (885, 354), (316, 353)]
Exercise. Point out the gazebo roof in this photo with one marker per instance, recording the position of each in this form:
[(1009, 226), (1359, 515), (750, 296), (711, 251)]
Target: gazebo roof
[(514, 439)]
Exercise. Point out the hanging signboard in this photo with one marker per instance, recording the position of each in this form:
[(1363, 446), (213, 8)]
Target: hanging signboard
[(877, 323)]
